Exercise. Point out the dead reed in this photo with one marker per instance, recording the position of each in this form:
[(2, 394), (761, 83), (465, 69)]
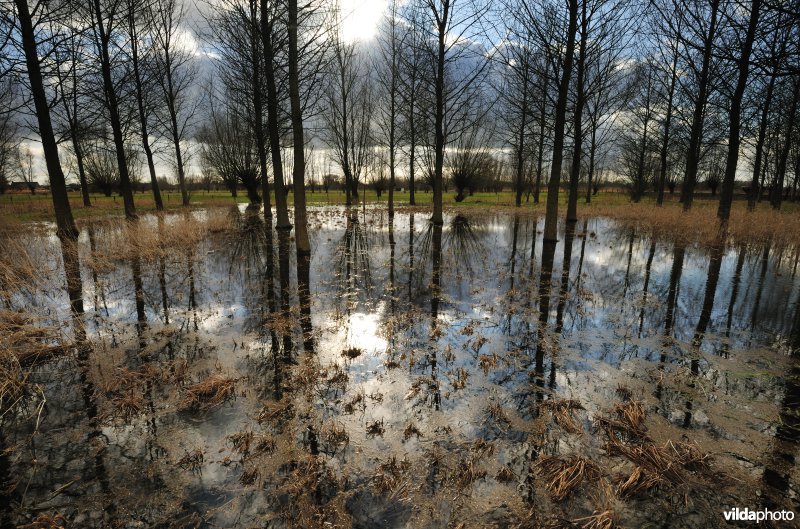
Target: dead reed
[(18, 269), (276, 413), (654, 466), (605, 519), (562, 411), (209, 393), (700, 224), (564, 476), (192, 461), (389, 476)]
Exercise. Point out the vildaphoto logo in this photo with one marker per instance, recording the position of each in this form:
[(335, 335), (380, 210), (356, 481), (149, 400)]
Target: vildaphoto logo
[(746, 515)]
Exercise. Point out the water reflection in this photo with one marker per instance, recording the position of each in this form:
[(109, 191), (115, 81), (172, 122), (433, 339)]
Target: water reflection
[(427, 350)]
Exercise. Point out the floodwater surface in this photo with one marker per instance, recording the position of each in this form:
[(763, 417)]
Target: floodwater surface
[(192, 372)]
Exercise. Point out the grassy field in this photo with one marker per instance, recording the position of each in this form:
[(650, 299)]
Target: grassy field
[(23, 207)]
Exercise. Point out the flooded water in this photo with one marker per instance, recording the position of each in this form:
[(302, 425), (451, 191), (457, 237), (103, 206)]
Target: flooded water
[(410, 375)]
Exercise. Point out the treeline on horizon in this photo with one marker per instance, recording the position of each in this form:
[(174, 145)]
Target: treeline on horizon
[(267, 95)]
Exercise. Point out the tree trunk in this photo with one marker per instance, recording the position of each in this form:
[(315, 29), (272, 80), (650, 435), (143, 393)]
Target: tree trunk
[(662, 177), (551, 216), (575, 170), (258, 107), (783, 156), (173, 117), (521, 142), (639, 184), (273, 126), (734, 117), (299, 170), (590, 175), (81, 171), (137, 79), (412, 153), (65, 224), (438, 168), (114, 117), (696, 135)]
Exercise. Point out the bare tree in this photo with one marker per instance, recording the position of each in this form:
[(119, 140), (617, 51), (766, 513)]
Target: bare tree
[(699, 33), (641, 116), (229, 148), (668, 47), (29, 41), (452, 29), (412, 72), (551, 215), (107, 18), (71, 72), (176, 75), (517, 57), (25, 167), (348, 113), (735, 113), (392, 42), (9, 133), (139, 22)]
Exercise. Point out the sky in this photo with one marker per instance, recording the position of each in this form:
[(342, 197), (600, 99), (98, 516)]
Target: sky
[(360, 18)]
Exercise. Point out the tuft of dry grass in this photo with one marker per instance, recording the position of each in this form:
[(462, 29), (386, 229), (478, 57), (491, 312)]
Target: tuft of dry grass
[(209, 393), (562, 412), (605, 519), (411, 429), (626, 423), (192, 461), (276, 413), (659, 466), (505, 474), (18, 269), (375, 429), (352, 353), (389, 475), (23, 343), (334, 434), (28, 342), (564, 476)]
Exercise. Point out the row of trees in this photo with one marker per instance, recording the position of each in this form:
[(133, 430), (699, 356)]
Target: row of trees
[(119, 74), (667, 93), (664, 95)]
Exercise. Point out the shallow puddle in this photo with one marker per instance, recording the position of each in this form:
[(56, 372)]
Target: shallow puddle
[(190, 372)]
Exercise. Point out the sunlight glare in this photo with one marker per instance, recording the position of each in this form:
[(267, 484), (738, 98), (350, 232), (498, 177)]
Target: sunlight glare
[(364, 333), (360, 18)]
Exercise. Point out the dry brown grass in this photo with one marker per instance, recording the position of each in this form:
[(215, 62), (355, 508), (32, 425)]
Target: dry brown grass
[(276, 413), (389, 476), (562, 411), (209, 393), (23, 343), (700, 224), (118, 239), (26, 340), (375, 429), (192, 460), (334, 435), (505, 474), (564, 476), (625, 424), (605, 519), (309, 484), (411, 429), (18, 269)]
